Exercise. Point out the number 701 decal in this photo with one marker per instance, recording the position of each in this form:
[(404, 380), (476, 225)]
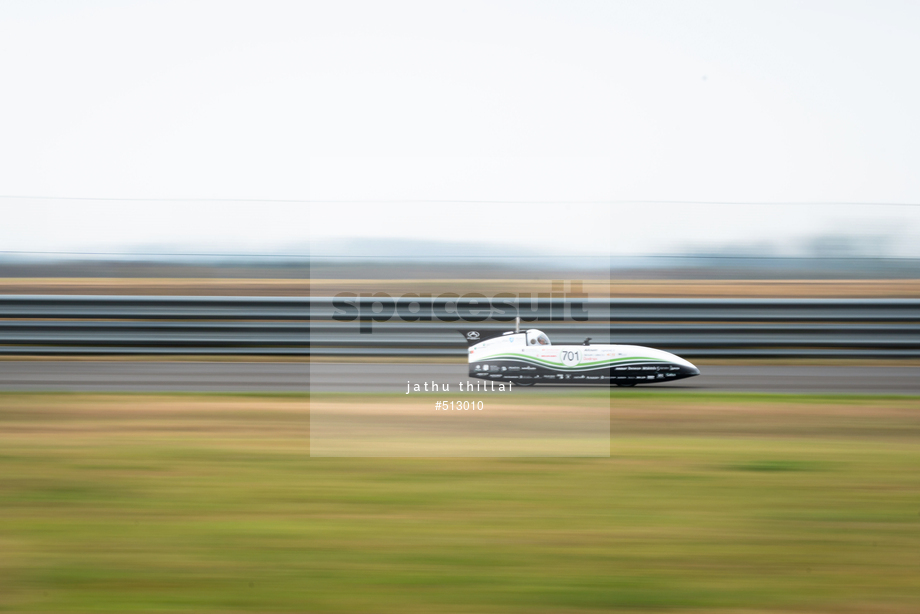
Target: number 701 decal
[(570, 357)]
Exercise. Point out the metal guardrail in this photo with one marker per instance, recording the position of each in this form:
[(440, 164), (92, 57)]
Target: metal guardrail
[(137, 325), (305, 308)]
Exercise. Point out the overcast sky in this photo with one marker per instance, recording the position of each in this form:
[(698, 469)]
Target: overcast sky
[(494, 101)]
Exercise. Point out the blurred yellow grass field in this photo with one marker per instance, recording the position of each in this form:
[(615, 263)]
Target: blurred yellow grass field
[(491, 424), (211, 503)]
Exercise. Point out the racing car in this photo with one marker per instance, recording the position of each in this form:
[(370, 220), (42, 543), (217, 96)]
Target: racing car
[(528, 357)]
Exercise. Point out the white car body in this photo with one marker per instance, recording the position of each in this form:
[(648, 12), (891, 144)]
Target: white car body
[(528, 357)]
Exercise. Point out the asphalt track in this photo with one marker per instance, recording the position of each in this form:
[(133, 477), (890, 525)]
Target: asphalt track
[(135, 376)]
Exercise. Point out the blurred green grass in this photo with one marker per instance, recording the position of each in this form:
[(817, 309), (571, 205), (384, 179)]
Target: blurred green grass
[(206, 503)]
